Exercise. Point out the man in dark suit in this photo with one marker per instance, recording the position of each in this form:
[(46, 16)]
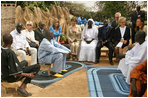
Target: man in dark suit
[(39, 32), (115, 22), (105, 39), (136, 14), (114, 26)]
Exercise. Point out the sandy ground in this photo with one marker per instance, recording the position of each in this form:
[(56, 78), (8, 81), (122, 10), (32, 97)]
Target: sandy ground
[(74, 85)]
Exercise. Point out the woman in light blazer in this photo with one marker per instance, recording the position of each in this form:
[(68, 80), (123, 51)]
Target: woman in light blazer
[(74, 36)]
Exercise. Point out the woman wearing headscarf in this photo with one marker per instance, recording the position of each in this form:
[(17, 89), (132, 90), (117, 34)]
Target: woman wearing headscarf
[(89, 42)]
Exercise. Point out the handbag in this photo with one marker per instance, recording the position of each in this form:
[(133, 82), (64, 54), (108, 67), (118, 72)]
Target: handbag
[(33, 44)]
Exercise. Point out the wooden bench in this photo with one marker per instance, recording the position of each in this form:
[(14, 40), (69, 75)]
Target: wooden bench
[(7, 85), (46, 68), (104, 50)]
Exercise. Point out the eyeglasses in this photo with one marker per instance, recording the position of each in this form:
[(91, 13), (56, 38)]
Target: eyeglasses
[(122, 22), (29, 25)]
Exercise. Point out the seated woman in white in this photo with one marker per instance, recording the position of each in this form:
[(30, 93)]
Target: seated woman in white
[(135, 56), (29, 33), (89, 42)]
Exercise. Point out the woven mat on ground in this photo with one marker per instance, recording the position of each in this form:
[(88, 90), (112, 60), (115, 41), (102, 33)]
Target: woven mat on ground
[(44, 81), (106, 82)]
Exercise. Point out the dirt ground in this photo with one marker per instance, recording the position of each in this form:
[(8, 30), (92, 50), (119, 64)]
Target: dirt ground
[(74, 85)]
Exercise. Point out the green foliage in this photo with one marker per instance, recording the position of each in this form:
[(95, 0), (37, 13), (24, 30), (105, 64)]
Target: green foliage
[(78, 9), (107, 9), (111, 7), (62, 38), (7, 1), (31, 4), (145, 22)]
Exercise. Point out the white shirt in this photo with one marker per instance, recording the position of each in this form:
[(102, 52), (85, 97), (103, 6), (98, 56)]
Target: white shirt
[(29, 35), (122, 31), (19, 40)]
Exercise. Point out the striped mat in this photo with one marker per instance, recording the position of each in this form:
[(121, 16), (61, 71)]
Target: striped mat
[(106, 82)]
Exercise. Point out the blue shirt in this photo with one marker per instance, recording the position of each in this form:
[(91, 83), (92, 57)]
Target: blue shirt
[(79, 21), (56, 34), (84, 21)]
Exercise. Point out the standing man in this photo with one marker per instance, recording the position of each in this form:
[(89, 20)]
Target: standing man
[(114, 26), (105, 39), (39, 32), (21, 46), (115, 22), (135, 15)]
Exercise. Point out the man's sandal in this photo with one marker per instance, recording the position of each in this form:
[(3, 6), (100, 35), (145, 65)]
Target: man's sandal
[(23, 93)]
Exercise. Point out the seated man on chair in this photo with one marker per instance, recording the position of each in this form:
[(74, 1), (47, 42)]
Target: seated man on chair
[(13, 70), (105, 39), (21, 46), (52, 52), (39, 32), (138, 86), (135, 56)]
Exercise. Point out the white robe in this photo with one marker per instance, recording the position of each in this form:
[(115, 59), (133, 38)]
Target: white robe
[(133, 57), (87, 51)]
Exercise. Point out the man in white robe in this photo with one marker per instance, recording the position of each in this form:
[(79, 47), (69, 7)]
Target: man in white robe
[(135, 56), (89, 42)]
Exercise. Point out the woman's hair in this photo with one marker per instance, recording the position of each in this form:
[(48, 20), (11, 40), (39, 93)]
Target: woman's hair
[(29, 22), (121, 19), (90, 23), (137, 27), (74, 19), (56, 20)]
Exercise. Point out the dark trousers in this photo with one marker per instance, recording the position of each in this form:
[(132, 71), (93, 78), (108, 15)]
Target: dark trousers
[(26, 69), (133, 34), (108, 45)]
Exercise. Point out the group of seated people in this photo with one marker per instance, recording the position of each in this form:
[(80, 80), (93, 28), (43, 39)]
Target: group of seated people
[(90, 39), (43, 45), (134, 66), (49, 52)]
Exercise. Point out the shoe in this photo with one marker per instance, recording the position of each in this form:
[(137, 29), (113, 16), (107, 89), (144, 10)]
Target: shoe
[(57, 75), (64, 70), (97, 61), (52, 73), (23, 93), (29, 94), (111, 62)]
